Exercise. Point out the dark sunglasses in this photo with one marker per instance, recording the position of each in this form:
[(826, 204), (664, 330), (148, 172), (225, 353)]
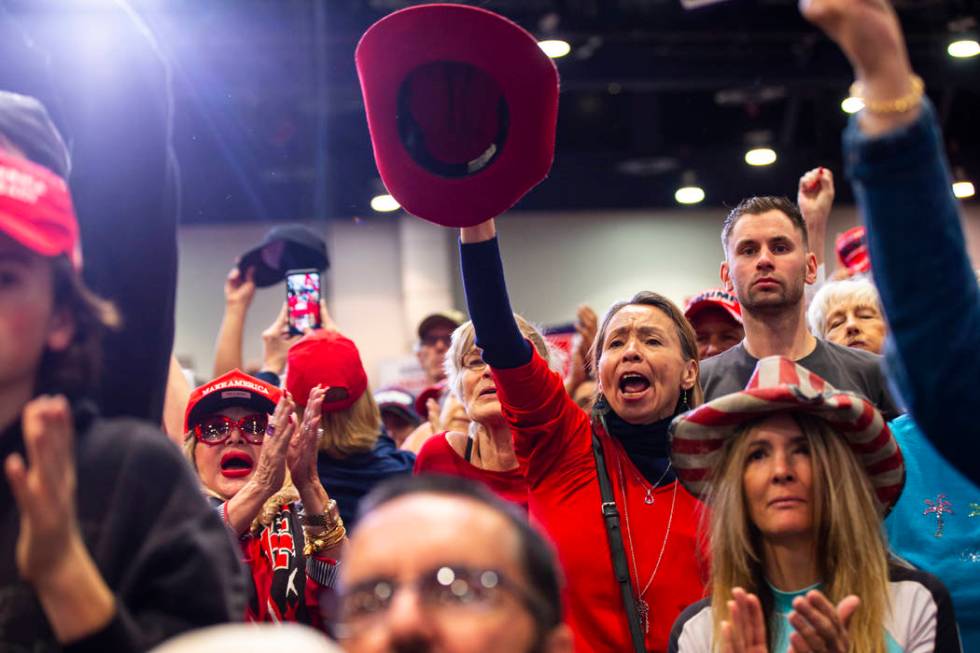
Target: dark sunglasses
[(432, 340), (216, 429)]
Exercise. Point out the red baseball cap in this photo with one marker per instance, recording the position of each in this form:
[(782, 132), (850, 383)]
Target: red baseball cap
[(852, 250), (330, 360), (36, 209), (232, 389), (717, 298), (462, 106)]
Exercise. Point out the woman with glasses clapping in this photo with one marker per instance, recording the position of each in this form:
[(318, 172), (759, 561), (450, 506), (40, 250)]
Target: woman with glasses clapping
[(242, 437)]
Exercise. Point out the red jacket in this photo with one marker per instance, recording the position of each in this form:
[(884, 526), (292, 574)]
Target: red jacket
[(437, 456), (553, 442)]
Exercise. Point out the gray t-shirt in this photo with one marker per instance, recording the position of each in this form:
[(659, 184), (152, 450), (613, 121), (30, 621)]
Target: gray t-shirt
[(845, 368)]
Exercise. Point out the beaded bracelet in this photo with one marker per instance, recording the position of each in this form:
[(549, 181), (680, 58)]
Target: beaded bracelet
[(908, 101)]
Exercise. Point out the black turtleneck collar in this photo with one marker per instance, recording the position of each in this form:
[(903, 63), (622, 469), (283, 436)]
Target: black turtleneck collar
[(647, 445)]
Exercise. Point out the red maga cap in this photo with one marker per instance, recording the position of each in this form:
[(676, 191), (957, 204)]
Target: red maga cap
[(330, 360), (716, 297), (36, 209), (232, 389), (462, 106), (852, 250)]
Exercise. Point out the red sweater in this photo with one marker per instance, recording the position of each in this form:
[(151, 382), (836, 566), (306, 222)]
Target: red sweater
[(553, 442), (438, 457)]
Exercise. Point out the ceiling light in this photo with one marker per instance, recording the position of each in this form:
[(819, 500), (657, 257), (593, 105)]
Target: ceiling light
[(384, 203), (555, 48), (964, 48), (689, 195), (963, 189), (760, 156), (852, 104)]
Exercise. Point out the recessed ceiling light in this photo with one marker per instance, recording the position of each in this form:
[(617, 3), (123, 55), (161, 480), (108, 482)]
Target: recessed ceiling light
[(384, 203), (760, 156), (689, 195), (964, 48), (555, 48)]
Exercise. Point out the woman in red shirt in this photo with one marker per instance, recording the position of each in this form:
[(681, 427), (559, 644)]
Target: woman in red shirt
[(486, 453), (242, 438), (647, 372)]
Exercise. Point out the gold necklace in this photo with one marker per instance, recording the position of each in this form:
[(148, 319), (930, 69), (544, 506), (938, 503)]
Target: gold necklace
[(642, 607)]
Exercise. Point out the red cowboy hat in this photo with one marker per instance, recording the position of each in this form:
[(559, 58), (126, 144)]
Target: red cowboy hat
[(781, 385), (462, 106)]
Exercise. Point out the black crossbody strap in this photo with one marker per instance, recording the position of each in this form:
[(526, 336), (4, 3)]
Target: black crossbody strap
[(610, 517)]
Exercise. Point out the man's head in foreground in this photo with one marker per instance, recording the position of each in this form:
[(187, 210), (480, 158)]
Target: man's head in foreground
[(440, 564)]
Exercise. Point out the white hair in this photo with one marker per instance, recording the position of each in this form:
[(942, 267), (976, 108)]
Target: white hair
[(464, 338), (832, 294)]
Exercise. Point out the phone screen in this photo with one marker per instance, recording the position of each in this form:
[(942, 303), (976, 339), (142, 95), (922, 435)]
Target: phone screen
[(303, 300)]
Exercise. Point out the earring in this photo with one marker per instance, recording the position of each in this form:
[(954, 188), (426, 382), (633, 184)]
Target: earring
[(685, 406)]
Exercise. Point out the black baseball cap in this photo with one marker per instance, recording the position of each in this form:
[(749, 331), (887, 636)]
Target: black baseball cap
[(287, 247)]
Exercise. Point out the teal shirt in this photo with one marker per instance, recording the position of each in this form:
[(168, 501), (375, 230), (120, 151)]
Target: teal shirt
[(780, 625), (935, 525)]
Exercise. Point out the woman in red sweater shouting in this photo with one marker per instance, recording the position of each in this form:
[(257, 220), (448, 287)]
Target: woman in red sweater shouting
[(631, 557)]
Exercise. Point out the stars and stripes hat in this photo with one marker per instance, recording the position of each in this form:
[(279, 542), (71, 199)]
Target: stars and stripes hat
[(781, 385)]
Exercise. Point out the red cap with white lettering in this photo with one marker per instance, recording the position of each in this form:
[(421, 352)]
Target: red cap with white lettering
[(232, 389), (36, 209)]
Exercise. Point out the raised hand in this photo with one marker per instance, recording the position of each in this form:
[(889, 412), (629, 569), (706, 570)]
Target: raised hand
[(270, 470), (745, 631), (815, 195), (821, 626), (276, 341), (239, 290), (44, 490), (301, 457), (869, 33), (51, 554)]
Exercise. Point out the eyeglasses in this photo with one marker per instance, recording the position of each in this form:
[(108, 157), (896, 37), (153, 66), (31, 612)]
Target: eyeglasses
[(430, 340), (448, 591), (216, 429)]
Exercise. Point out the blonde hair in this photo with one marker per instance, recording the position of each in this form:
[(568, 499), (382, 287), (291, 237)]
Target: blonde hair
[(286, 494), (832, 294), (850, 549), (354, 429), (464, 341)]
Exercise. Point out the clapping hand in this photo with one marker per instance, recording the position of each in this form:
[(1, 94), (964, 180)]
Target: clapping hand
[(301, 458), (745, 629), (270, 471), (44, 488), (819, 625)]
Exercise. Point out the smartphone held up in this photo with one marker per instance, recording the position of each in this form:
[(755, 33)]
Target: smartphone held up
[(303, 301)]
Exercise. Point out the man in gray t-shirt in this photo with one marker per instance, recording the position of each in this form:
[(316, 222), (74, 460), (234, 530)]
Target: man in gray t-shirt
[(843, 367), (767, 265)]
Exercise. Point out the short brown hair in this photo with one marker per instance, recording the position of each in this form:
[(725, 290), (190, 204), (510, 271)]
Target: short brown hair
[(75, 370), (758, 206)]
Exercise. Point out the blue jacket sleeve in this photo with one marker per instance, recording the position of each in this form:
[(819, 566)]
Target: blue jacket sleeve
[(923, 273), (503, 345)]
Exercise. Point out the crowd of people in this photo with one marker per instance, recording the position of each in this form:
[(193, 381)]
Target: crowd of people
[(774, 466)]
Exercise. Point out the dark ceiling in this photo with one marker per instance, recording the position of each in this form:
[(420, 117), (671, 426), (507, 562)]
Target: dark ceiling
[(270, 124)]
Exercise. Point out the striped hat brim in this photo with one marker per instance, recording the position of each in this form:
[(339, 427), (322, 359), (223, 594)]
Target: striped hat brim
[(780, 385)]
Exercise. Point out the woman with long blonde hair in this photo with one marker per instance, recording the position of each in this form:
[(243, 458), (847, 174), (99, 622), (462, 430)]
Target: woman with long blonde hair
[(798, 476)]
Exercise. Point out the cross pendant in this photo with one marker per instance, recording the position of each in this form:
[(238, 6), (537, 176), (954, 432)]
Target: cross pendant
[(643, 610)]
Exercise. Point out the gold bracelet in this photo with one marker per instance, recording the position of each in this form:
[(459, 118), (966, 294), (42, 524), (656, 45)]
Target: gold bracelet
[(328, 540), (329, 518), (905, 103)]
